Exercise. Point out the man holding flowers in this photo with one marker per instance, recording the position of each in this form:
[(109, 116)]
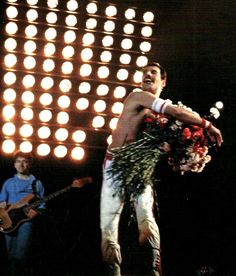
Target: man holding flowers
[(131, 157)]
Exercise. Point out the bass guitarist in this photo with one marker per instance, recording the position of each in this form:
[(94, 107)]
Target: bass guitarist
[(14, 189)]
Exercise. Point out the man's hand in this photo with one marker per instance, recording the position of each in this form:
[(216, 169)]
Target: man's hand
[(3, 205), (215, 135), (32, 213)]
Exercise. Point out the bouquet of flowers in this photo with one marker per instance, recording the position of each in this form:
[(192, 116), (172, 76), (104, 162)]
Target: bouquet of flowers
[(185, 147)]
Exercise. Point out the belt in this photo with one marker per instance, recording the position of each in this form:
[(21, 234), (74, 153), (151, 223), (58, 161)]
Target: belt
[(108, 155)]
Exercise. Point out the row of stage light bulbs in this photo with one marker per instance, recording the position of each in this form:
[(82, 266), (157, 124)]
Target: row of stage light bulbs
[(62, 117), (73, 6), (44, 149), (67, 68)]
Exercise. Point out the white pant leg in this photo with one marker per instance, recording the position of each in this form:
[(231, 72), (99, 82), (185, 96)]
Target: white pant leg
[(111, 206), (148, 228)]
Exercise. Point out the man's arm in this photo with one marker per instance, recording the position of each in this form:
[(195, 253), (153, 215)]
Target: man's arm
[(148, 100), (191, 118)]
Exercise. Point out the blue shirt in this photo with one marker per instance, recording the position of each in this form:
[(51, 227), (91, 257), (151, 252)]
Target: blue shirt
[(15, 188)]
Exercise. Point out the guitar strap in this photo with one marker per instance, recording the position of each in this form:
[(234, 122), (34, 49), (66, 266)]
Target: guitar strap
[(34, 187)]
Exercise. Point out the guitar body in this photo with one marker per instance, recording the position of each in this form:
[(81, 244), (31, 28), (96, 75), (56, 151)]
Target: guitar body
[(24, 210), (15, 215)]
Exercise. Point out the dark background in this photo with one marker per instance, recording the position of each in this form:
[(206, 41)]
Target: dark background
[(195, 43)]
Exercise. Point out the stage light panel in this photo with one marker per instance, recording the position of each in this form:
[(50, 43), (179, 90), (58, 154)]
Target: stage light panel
[(66, 68)]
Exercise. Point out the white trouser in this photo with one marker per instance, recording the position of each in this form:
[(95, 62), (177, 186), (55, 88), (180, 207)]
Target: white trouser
[(110, 212)]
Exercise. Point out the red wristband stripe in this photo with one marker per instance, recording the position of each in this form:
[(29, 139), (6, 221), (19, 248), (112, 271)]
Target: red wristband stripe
[(205, 124), (162, 106)]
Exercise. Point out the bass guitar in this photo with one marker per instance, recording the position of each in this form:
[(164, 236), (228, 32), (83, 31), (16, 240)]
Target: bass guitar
[(14, 215)]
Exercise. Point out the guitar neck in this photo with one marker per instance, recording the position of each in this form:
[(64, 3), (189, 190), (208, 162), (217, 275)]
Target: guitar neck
[(49, 197)]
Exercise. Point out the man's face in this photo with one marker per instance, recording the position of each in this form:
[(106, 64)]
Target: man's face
[(22, 165), (151, 79)]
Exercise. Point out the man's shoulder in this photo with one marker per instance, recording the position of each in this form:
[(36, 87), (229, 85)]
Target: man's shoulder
[(8, 183), (9, 180), (135, 96)]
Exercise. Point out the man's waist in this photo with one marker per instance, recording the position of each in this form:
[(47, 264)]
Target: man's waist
[(109, 155)]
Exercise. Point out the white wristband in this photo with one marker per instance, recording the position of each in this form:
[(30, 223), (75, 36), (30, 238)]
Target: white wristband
[(159, 105), (207, 125)]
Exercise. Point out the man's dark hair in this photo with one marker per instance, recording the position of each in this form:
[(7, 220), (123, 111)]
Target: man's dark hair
[(26, 155), (162, 69)]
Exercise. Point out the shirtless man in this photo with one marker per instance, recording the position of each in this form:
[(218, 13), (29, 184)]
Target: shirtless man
[(136, 106)]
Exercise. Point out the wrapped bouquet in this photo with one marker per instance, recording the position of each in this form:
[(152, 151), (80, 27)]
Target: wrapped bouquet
[(184, 147)]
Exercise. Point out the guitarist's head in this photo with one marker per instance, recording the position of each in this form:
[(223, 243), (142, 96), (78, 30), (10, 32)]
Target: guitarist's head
[(23, 163)]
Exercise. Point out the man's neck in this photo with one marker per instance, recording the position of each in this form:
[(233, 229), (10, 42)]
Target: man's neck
[(157, 94), (23, 176)]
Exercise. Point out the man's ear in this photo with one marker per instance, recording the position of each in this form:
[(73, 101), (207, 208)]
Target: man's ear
[(163, 83)]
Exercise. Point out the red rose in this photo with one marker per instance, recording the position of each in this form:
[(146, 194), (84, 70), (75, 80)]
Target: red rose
[(186, 133), (148, 120)]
